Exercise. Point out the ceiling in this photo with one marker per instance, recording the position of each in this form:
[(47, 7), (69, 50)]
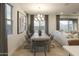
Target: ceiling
[(50, 8)]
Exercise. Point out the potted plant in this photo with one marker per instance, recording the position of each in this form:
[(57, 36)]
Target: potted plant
[(39, 32)]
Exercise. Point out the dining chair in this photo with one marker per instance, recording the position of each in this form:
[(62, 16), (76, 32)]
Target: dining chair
[(51, 43), (28, 42), (38, 44)]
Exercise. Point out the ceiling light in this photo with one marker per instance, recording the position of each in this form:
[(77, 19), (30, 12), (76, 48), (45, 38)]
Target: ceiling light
[(39, 16)]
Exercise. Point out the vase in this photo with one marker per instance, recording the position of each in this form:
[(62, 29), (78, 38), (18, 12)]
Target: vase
[(39, 32)]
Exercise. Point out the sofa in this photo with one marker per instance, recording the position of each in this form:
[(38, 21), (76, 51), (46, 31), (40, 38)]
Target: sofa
[(64, 38)]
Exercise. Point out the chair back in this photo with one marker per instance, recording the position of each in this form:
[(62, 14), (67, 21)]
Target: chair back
[(51, 37), (27, 38), (43, 42)]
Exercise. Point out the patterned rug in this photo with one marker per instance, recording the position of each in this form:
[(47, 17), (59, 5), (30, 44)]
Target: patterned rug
[(55, 50), (52, 45)]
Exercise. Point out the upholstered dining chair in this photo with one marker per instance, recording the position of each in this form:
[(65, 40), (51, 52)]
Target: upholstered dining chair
[(51, 43), (28, 42), (38, 44)]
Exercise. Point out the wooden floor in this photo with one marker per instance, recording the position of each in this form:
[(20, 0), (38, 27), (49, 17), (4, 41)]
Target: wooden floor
[(54, 51)]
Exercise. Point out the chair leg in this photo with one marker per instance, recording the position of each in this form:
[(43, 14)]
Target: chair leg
[(34, 51), (45, 51)]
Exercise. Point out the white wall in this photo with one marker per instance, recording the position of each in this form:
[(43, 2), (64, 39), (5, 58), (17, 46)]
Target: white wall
[(52, 23), (15, 40), (78, 23), (29, 19)]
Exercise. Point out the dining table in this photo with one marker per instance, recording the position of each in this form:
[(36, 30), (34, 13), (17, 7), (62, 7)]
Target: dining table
[(43, 37)]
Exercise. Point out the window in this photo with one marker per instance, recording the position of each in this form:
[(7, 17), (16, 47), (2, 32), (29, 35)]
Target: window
[(64, 25), (39, 25), (8, 17), (68, 25)]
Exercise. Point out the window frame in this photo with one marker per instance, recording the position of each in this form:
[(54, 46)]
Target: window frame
[(69, 19), (9, 19), (39, 24)]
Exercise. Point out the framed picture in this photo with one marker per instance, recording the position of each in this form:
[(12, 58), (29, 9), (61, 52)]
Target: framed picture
[(21, 22)]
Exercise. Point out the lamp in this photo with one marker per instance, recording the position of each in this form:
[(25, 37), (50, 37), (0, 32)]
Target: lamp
[(39, 17)]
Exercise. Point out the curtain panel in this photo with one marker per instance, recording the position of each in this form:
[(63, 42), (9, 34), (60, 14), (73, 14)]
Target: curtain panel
[(46, 24), (57, 22), (32, 24)]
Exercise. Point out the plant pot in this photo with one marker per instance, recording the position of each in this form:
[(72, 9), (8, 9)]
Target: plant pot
[(39, 33)]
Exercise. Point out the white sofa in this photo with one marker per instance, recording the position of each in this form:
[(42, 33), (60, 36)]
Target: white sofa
[(60, 37)]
